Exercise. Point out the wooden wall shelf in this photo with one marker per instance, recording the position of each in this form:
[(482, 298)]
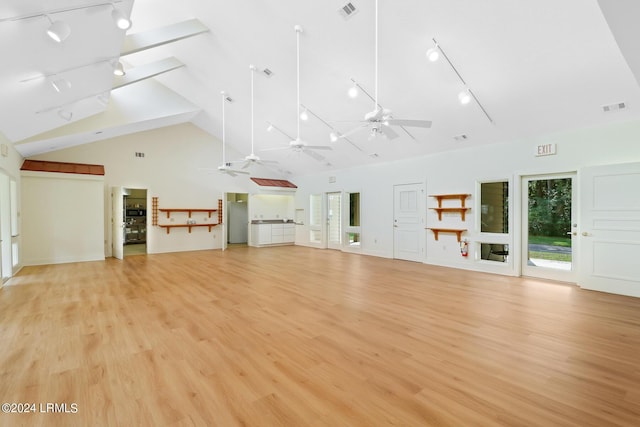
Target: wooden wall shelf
[(441, 197), (458, 232), (189, 226), (462, 211), (190, 211)]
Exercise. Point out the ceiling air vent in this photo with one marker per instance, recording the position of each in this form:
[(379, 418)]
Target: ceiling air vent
[(614, 107), (139, 154), (267, 72), (348, 10), (461, 137)]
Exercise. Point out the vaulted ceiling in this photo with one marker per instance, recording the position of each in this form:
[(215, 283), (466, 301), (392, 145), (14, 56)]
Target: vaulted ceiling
[(535, 68)]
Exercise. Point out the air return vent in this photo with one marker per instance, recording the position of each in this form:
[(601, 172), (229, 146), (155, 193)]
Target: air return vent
[(139, 154), (614, 107), (348, 10)]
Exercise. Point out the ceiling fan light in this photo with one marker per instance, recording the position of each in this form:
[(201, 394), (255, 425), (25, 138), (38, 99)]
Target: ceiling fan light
[(121, 21), (353, 92), (433, 54), (59, 31), (464, 97)]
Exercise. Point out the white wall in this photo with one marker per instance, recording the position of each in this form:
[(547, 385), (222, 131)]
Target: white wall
[(271, 206), (458, 172), (179, 167), (60, 214)]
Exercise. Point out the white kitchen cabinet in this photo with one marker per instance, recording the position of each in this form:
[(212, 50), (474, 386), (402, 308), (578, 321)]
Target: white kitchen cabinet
[(272, 234)]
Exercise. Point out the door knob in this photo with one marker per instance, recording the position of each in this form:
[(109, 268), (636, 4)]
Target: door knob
[(574, 233), (585, 234)]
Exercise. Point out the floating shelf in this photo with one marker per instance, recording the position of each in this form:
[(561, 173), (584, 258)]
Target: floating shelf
[(462, 211), (458, 232), (190, 211), (441, 197), (189, 226)]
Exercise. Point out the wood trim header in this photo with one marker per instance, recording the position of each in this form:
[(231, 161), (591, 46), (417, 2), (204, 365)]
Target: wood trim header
[(62, 167)]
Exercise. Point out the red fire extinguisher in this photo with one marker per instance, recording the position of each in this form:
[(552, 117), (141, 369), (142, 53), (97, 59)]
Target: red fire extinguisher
[(464, 247)]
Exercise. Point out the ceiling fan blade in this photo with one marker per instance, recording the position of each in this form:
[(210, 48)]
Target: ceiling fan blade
[(237, 171), (318, 147), (354, 130), (268, 162), (412, 123), (274, 148), (319, 157), (388, 132)]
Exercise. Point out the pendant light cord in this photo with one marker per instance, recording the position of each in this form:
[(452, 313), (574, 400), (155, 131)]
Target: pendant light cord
[(252, 68), (375, 102), (298, 31), (223, 133)]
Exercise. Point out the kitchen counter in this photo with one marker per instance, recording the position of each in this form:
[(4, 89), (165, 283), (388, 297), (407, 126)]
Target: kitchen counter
[(271, 221)]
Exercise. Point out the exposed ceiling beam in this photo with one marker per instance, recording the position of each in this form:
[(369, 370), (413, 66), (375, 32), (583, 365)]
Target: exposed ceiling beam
[(163, 35), (146, 71)]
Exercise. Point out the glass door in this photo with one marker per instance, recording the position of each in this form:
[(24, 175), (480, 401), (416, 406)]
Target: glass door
[(549, 227)]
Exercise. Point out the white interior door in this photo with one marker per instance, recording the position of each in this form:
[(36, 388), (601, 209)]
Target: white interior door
[(549, 227), (5, 228), (334, 221), (117, 222), (610, 235), (407, 223)]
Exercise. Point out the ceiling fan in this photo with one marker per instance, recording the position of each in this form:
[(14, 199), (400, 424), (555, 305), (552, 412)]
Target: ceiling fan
[(380, 120), (298, 145), (226, 167), (252, 158)]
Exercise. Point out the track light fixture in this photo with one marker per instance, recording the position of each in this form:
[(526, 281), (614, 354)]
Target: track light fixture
[(304, 115), (433, 54), (119, 69), (121, 21), (65, 114), (60, 84), (466, 95), (353, 92), (59, 31), (270, 127), (333, 136)]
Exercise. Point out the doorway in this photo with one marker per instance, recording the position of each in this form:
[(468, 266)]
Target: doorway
[(135, 221), (549, 227), (6, 232), (334, 220), (408, 235), (237, 218)]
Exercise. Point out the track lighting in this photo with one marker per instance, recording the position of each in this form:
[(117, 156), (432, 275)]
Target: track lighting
[(304, 115), (119, 69), (65, 114), (270, 127), (59, 31), (464, 97), (433, 54), (353, 92), (61, 84), (121, 21), (333, 137)]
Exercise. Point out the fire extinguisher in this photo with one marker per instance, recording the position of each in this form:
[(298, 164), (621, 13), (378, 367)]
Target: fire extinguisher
[(464, 247)]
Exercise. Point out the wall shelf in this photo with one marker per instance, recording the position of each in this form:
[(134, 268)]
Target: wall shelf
[(457, 231), (441, 197), (189, 211), (189, 226), (462, 211)]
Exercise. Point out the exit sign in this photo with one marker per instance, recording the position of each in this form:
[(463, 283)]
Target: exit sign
[(545, 150)]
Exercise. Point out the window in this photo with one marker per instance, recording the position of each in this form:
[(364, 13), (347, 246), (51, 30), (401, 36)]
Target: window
[(352, 230), (494, 207), (354, 209)]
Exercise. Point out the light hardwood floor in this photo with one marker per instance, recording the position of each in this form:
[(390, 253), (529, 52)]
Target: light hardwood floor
[(293, 336)]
